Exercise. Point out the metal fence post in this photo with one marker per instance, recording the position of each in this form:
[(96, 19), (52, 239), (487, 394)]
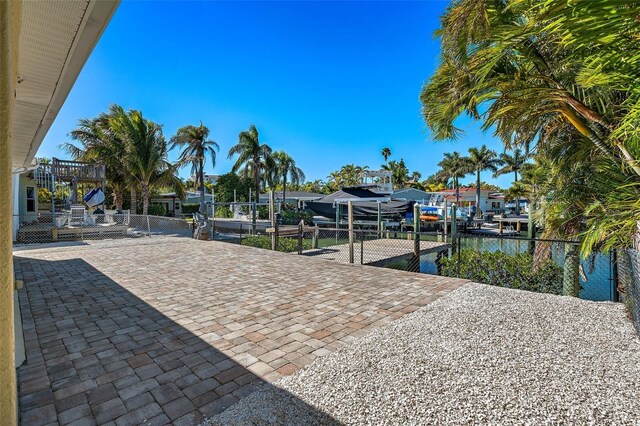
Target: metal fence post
[(362, 249), (415, 261), (350, 213), (614, 275), (300, 235), (457, 248)]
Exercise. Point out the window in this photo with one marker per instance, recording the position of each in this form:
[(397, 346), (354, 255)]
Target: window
[(31, 199), (177, 205)]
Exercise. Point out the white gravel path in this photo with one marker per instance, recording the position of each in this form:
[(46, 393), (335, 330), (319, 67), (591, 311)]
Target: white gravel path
[(480, 355)]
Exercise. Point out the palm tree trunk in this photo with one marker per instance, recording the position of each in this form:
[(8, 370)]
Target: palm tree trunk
[(145, 199), (517, 200), (201, 178), (117, 199), (134, 203), (457, 188), (284, 189), (478, 214)]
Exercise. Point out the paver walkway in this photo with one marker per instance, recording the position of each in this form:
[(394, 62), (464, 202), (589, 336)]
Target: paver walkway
[(176, 330)]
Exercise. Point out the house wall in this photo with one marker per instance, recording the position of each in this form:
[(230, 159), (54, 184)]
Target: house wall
[(24, 182), (10, 19)]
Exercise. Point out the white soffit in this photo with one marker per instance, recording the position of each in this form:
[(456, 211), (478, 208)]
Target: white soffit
[(56, 39)]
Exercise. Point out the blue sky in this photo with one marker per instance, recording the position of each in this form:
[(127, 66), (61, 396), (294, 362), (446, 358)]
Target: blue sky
[(329, 82)]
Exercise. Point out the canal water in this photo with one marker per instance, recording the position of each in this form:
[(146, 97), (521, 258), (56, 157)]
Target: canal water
[(596, 277)]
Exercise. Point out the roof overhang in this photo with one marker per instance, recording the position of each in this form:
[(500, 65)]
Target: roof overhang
[(56, 39)]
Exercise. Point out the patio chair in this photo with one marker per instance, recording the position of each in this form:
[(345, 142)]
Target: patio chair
[(78, 213)]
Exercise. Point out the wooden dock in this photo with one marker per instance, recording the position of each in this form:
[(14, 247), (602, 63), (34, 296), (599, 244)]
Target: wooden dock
[(376, 252)]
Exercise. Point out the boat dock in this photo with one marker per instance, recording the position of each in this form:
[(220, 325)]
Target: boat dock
[(376, 252)]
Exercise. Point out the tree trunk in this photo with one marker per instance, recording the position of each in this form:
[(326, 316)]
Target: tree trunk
[(284, 189), (117, 199), (571, 278), (203, 208), (145, 199), (457, 188), (478, 213), (517, 200), (134, 202)]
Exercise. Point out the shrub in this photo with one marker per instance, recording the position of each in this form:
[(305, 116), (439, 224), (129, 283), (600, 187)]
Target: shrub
[(157, 210), (293, 217), (223, 212), (505, 270), (286, 245), (190, 208)]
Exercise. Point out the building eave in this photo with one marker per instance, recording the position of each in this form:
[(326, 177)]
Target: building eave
[(43, 89)]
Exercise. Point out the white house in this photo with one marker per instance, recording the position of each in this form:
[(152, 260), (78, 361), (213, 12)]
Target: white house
[(489, 200)]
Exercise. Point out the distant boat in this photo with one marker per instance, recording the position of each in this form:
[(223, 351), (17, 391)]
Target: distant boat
[(365, 205)]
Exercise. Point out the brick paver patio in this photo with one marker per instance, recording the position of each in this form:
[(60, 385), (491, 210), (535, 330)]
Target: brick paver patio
[(177, 330)]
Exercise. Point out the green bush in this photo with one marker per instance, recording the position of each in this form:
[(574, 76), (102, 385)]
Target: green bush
[(505, 270), (157, 210), (190, 208), (223, 212), (286, 245), (293, 217)]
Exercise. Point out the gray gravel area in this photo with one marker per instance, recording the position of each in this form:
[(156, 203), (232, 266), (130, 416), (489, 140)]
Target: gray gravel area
[(480, 355)]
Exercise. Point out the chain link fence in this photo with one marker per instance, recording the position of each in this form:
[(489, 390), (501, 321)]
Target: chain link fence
[(548, 266), (46, 227)]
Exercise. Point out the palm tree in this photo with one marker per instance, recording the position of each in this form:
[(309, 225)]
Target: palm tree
[(146, 153), (196, 149), (97, 142), (481, 159), (386, 153), (400, 172), (286, 167), (253, 158), (550, 74), (454, 166), (512, 164)]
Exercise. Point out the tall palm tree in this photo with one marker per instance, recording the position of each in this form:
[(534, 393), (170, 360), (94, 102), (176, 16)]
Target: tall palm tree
[(286, 168), (551, 74), (512, 164), (254, 158), (97, 142), (147, 153), (454, 166), (195, 150), (481, 159), (386, 153)]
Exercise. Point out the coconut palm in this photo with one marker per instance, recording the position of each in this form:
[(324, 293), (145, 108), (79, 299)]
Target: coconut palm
[(98, 143), (146, 154), (512, 164), (399, 173), (454, 167), (195, 150), (286, 168), (481, 159), (386, 153), (551, 74), (254, 158)]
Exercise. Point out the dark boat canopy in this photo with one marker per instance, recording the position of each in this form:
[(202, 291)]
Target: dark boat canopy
[(363, 209)]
